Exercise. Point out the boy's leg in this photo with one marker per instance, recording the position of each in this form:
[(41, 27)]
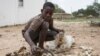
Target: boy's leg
[(23, 31), (34, 36), (43, 33), (51, 35)]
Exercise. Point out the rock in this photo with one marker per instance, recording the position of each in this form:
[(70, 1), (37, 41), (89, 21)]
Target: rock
[(22, 49), (68, 41), (21, 52), (86, 48), (69, 55), (50, 45), (64, 41), (0, 35), (7, 30), (86, 51), (47, 53), (59, 39), (8, 54), (93, 23)]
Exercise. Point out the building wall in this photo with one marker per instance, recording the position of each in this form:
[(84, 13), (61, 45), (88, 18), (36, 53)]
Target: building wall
[(11, 13)]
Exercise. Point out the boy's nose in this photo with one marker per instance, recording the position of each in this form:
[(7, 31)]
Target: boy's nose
[(48, 15)]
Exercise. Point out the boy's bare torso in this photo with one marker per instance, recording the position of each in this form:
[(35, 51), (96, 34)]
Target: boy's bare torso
[(35, 23)]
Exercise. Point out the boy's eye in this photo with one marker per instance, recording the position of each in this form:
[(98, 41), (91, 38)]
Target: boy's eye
[(47, 12)]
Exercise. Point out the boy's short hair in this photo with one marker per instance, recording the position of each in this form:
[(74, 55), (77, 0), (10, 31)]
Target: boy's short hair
[(48, 4)]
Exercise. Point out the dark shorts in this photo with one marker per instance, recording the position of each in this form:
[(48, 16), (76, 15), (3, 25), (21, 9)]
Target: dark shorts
[(35, 36)]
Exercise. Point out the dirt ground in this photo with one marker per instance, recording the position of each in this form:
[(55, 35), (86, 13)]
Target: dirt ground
[(11, 38)]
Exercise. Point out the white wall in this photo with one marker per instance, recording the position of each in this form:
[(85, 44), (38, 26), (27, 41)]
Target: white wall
[(11, 14), (7, 11)]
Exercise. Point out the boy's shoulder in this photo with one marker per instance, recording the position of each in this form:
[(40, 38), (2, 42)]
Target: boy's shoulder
[(34, 21), (37, 17)]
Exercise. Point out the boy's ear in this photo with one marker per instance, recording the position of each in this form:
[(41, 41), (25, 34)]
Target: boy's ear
[(41, 10)]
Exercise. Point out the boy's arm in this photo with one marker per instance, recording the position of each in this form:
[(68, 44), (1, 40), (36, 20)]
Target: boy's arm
[(29, 40), (52, 27), (33, 26)]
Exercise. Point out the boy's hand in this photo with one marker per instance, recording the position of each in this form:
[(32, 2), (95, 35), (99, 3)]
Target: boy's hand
[(36, 50), (33, 48)]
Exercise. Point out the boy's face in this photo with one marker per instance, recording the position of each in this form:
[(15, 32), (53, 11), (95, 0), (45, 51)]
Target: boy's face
[(47, 12)]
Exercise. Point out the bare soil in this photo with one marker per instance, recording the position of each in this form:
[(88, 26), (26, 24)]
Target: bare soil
[(11, 37)]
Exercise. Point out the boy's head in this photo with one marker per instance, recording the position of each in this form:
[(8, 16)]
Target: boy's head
[(48, 9)]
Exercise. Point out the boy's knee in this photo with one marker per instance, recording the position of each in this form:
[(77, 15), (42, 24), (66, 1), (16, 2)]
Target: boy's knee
[(23, 32), (45, 25)]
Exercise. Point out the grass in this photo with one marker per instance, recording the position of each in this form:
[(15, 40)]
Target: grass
[(81, 20)]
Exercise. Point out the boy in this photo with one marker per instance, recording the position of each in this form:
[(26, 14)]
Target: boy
[(40, 28)]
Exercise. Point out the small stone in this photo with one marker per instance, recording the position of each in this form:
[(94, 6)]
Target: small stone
[(8, 54), (0, 35)]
